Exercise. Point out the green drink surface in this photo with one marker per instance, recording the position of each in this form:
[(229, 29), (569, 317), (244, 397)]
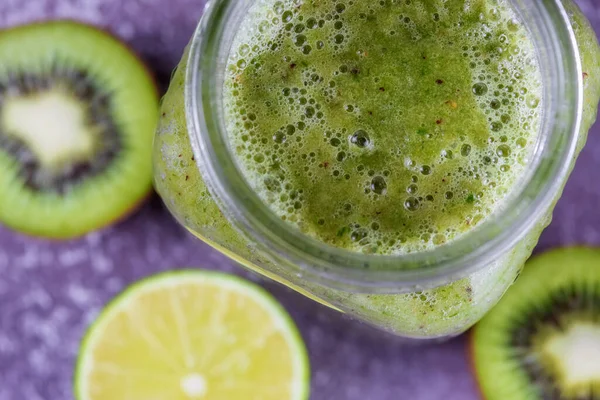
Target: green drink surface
[(386, 126)]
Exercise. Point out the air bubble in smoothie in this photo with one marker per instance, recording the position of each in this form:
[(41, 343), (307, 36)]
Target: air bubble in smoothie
[(418, 150)]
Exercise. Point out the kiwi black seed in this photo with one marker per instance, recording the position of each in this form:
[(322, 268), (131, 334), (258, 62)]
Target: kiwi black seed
[(542, 341), (77, 116)]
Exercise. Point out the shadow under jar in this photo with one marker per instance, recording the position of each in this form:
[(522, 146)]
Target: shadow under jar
[(394, 160)]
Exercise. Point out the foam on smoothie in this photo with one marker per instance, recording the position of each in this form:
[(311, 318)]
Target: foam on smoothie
[(386, 126)]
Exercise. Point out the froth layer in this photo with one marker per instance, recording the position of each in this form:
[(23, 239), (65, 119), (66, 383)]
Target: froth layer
[(383, 126)]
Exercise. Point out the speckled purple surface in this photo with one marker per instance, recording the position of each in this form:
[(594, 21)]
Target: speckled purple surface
[(50, 292)]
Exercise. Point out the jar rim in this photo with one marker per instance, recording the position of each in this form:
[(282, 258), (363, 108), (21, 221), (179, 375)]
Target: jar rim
[(336, 267)]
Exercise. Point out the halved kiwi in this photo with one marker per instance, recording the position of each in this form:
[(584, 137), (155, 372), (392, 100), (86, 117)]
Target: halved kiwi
[(77, 117), (542, 341)]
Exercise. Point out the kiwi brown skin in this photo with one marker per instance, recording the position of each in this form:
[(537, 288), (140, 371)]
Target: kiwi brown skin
[(58, 235), (471, 361)]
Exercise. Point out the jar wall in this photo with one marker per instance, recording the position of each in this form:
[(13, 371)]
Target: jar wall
[(438, 312)]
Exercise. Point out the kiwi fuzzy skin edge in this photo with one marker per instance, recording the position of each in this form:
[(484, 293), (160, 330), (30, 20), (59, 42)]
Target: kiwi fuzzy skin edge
[(470, 349)]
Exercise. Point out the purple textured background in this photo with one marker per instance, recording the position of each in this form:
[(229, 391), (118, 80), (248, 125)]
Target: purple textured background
[(50, 292)]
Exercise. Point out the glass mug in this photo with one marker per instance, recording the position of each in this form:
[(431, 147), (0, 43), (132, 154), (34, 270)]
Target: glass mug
[(431, 294)]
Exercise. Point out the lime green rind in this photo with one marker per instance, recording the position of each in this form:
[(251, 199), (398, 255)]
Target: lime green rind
[(543, 276), (108, 196), (257, 293)]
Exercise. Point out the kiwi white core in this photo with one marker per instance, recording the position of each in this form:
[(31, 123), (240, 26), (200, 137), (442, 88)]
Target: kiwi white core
[(53, 126), (576, 354)]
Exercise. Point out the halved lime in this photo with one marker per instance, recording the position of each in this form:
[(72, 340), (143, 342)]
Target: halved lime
[(193, 335)]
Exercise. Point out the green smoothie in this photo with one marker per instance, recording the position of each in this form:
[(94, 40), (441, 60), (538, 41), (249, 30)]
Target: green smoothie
[(383, 126), (396, 131)]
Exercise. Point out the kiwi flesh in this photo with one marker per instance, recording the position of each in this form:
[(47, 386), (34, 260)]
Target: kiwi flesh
[(542, 341), (77, 116)]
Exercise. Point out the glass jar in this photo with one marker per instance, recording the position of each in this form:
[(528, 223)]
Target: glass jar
[(431, 294)]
